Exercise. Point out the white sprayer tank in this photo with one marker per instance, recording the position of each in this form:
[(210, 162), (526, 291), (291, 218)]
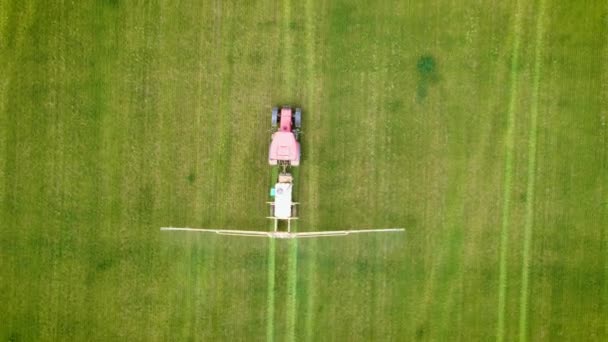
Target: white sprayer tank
[(282, 200)]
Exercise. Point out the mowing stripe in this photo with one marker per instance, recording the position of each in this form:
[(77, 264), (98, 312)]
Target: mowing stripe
[(529, 218), (292, 288), (7, 134), (313, 179), (508, 175), (604, 166), (8, 144), (270, 294)]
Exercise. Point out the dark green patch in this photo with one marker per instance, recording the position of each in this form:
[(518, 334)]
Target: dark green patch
[(268, 24), (295, 26), (256, 58), (426, 66), (104, 264), (112, 3), (410, 221), (362, 266), (341, 18), (13, 337), (395, 105), (427, 75), (422, 90), (420, 331), (522, 197), (191, 177)]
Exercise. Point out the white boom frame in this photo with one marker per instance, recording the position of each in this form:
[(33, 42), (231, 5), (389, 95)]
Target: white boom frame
[(284, 235)]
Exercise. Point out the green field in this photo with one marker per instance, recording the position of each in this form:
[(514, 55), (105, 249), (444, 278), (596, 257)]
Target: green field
[(480, 128)]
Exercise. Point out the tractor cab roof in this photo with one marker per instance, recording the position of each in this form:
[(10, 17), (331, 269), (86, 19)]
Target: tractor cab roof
[(284, 146)]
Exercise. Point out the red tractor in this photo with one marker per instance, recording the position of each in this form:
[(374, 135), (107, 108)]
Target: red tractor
[(285, 148), (284, 151)]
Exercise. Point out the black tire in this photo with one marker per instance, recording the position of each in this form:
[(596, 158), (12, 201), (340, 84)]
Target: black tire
[(298, 118), (275, 116)]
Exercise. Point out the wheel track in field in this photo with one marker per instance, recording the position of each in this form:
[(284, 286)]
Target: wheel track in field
[(292, 288), (270, 294), (604, 164), (286, 49), (508, 174), (271, 269), (288, 82), (529, 213), (313, 179)]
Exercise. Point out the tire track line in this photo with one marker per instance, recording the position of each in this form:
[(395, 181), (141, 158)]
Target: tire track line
[(292, 288), (532, 143), (271, 268), (604, 163), (287, 49), (292, 272), (313, 178), (508, 176), (270, 294)]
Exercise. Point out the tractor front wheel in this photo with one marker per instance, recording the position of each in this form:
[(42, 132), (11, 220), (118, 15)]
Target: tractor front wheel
[(275, 116), (298, 118)]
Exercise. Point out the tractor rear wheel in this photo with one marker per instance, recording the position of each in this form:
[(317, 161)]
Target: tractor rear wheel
[(275, 116), (298, 118)]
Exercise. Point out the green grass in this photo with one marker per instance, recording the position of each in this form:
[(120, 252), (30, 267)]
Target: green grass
[(481, 129)]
